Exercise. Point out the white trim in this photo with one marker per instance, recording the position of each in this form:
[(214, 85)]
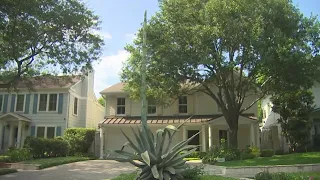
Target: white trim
[(16, 100), (47, 102), (45, 130)]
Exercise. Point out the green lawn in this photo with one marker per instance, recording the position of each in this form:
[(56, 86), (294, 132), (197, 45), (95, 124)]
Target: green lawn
[(4, 171), (132, 176), (49, 162), (288, 159)]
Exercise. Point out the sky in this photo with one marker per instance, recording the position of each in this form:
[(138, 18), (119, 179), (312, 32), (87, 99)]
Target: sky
[(120, 21)]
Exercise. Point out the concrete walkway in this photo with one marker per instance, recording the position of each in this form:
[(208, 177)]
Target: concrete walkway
[(93, 170)]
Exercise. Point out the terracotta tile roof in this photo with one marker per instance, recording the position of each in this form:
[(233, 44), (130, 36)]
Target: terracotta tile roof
[(48, 81), (166, 119), (113, 89)]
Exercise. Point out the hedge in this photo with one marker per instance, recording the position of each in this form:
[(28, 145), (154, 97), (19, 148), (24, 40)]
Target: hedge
[(41, 147), (267, 153), (79, 139)]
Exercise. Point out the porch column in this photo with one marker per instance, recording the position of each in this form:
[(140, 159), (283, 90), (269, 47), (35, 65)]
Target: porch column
[(210, 135), (252, 143), (11, 135), (184, 133), (203, 144), (19, 134), (1, 133), (101, 142)]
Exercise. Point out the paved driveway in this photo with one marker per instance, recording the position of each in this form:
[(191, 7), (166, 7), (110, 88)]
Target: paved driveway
[(86, 170)]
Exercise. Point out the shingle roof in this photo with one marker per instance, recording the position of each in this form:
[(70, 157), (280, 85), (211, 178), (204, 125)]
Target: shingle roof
[(48, 82), (114, 89)]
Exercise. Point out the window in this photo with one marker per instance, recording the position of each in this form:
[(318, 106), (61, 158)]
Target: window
[(75, 106), (46, 132), (53, 98), (50, 132), (20, 102), (48, 102), (152, 107), (40, 132), (121, 106), (183, 104), (1, 102)]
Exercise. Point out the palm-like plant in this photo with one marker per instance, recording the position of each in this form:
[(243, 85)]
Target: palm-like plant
[(154, 154)]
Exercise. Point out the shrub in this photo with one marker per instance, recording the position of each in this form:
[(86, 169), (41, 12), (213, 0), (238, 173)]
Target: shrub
[(79, 139), (196, 154), (250, 153), (4, 158), (17, 155), (193, 173), (279, 152), (263, 176), (41, 147), (267, 153)]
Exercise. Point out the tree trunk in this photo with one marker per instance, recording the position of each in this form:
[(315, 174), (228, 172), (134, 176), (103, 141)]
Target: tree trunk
[(232, 122)]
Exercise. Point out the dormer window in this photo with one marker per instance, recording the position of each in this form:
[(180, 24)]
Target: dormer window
[(183, 104), (121, 106)]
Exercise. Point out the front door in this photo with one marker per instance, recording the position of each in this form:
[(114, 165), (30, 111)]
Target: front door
[(195, 140)]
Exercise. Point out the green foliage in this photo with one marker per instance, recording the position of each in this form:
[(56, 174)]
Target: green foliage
[(17, 155), (131, 176), (294, 108), (79, 139), (193, 173), (44, 36), (316, 142), (226, 44), (42, 147), (154, 154), (102, 101), (263, 176), (285, 176), (196, 154), (4, 158), (267, 153), (250, 153)]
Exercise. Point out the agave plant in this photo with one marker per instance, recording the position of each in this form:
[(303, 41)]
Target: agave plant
[(154, 154)]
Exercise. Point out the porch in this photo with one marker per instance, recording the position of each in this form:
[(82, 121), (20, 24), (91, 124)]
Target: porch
[(212, 128), (13, 130)]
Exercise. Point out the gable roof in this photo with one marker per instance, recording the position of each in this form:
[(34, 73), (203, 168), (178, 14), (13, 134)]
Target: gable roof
[(48, 81), (117, 88)]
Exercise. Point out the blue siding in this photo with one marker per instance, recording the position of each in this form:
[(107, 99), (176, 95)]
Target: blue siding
[(5, 103), (33, 130), (26, 110), (13, 102), (35, 103), (58, 131), (60, 106)]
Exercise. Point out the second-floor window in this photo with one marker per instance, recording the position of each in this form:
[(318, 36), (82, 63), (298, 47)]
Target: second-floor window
[(20, 102), (152, 107), (48, 102), (121, 106), (183, 104), (1, 102), (75, 106)]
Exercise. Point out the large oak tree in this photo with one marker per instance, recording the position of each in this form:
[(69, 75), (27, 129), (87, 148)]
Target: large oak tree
[(243, 47), (46, 36)]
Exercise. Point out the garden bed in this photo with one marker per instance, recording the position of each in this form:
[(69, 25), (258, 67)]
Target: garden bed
[(49, 162), (7, 171)]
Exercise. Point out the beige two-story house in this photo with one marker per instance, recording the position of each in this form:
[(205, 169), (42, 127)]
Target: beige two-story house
[(47, 108), (121, 112)]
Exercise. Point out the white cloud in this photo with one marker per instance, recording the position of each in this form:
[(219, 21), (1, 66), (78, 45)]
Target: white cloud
[(108, 70), (105, 35)]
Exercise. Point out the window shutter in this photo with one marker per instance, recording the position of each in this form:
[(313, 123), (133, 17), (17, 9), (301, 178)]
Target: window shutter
[(33, 131), (5, 103), (60, 106), (26, 109), (13, 102), (35, 103), (58, 131)]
